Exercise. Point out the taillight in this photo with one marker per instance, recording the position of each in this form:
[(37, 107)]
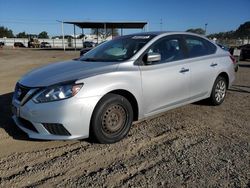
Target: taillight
[(233, 59)]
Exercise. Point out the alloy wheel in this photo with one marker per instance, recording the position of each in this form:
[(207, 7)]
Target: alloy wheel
[(220, 91)]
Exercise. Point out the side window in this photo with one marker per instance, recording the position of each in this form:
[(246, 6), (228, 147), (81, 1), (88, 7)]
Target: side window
[(169, 48), (199, 47)]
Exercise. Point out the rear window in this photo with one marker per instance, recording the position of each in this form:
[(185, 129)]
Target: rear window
[(199, 47)]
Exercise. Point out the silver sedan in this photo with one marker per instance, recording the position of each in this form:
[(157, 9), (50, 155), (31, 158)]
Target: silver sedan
[(124, 80)]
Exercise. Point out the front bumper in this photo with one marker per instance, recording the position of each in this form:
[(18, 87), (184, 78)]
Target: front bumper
[(74, 114)]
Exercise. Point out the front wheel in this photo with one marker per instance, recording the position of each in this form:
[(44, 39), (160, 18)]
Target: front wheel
[(112, 119), (219, 91)]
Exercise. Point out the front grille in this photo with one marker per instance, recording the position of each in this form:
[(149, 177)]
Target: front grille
[(27, 124), (21, 91), (56, 129), (24, 94)]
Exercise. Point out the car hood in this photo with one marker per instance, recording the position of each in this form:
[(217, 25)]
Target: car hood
[(65, 71)]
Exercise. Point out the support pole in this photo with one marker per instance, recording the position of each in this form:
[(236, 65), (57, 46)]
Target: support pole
[(83, 37), (105, 30), (97, 32), (75, 35), (63, 43)]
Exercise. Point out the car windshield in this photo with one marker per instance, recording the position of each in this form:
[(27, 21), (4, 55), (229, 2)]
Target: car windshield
[(119, 49)]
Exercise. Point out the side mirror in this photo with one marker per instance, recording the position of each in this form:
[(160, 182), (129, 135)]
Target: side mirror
[(153, 57)]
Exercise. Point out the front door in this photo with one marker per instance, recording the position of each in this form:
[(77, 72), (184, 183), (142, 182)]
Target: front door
[(165, 83)]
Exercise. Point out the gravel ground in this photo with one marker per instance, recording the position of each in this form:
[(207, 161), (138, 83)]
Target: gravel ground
[(196, 145)]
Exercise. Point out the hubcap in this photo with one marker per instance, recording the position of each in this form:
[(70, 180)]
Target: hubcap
[(220, 91), (114, 119)]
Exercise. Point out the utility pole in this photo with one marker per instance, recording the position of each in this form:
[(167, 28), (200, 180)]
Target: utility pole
[(205, 29), (63, 42), (161, 24)]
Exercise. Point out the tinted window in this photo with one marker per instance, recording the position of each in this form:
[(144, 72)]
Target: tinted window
[(198, 46), (169, 48)]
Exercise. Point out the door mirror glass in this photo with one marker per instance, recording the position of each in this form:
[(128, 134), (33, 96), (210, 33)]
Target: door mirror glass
[(153, 57)]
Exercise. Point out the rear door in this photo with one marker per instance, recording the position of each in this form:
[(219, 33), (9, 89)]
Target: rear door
[(203, 65), (165, 83)]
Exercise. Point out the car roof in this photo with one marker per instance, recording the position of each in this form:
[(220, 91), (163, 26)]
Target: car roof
[(165, 32)]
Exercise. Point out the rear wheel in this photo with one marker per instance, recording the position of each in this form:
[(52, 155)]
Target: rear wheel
[(219, 91), (112, 119)]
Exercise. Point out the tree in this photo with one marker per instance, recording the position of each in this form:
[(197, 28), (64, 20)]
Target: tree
[(66, 37), (5, 32), (228, 34), (43, 35), (243, 31), (199, 31), (105, 33), (22, 35), (80, 36)]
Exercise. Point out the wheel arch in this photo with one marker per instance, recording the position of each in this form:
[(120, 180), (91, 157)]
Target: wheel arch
[(131, 98), (128, 95), (224, 75)]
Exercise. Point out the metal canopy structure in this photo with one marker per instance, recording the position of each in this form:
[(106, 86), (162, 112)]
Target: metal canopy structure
[(109, 25), (102, 25)]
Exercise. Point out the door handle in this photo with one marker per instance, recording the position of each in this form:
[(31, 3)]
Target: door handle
[(184, 70), (213, 64)]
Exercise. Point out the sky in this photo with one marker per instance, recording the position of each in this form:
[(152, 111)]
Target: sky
[(35, 16)]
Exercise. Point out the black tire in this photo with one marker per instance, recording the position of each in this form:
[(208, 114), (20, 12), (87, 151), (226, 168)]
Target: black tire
[(111, 119), (218, 93)]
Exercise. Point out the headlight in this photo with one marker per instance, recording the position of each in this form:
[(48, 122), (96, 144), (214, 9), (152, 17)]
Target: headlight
[(57, 92)]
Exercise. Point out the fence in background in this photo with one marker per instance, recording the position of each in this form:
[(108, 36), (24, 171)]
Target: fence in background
[(54, 42), (71, 42), (233, 42)]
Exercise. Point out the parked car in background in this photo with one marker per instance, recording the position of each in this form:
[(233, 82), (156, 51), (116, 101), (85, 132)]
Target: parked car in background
[(19, 45), (1, 44), (85, 50), (45, 45), (34, 43), (245, 52), (123, 80), (88, 44)]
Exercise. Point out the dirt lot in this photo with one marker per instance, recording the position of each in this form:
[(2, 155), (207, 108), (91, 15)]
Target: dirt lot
[(192, 146)]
